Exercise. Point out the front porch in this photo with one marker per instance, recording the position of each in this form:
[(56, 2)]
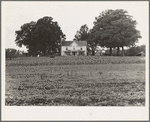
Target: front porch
[(74, 52)]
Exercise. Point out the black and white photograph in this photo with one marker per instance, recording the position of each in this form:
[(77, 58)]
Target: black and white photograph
[(75, 60)]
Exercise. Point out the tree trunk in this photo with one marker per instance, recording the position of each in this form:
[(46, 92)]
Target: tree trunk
[(118, 50), (110, 51), (44, 51), (59, 49), (122, 51), (93, 51)]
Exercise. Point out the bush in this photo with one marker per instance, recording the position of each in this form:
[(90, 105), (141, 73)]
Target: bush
[(52, 56), (133, 51), (12, 53)]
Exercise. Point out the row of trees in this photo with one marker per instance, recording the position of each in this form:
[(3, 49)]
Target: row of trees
[(112, 28), (13, 53), (132, 51)]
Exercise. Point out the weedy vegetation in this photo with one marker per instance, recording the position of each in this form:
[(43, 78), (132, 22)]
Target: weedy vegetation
[(75, 81)]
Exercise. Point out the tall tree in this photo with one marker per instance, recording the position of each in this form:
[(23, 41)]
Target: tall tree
[(82, 34), (44, 37), (92, 42), (24, 36), (85, 34), (48, 34), (115, 28)]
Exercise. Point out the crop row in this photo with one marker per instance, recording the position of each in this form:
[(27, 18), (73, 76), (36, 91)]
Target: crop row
[(70, 60)]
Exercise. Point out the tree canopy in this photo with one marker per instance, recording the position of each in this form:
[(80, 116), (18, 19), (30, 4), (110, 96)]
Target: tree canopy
[(43, 36), (12, 53), (115, 28), (83, 33), (24, 36)]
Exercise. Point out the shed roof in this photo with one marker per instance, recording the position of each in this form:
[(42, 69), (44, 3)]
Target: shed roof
[(68, 43)]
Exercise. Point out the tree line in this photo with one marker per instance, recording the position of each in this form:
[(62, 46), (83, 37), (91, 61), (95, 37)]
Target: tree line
[(136, 50), (12, 53), (111, 29)]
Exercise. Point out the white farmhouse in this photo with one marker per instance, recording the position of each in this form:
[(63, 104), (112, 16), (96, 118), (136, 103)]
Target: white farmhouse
[(73, 48)]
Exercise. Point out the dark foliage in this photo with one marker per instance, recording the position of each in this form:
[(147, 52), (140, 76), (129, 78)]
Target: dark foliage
[(115, 28), (41, 37)]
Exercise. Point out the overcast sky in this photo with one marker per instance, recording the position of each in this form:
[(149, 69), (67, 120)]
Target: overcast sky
[(69, 15)]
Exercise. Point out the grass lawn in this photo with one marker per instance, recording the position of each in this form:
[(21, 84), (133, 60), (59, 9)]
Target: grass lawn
[(51, 82)]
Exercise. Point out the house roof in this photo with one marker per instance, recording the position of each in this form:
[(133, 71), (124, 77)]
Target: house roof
[(67, 51), (68, 43)]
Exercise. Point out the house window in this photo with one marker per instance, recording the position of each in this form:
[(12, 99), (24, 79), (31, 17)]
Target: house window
[(67, 53), (81, 53), (73, 48), (66, 48), (81, 48)]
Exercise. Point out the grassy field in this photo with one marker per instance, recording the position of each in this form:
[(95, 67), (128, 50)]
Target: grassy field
[(72, 60), (75, 81)]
